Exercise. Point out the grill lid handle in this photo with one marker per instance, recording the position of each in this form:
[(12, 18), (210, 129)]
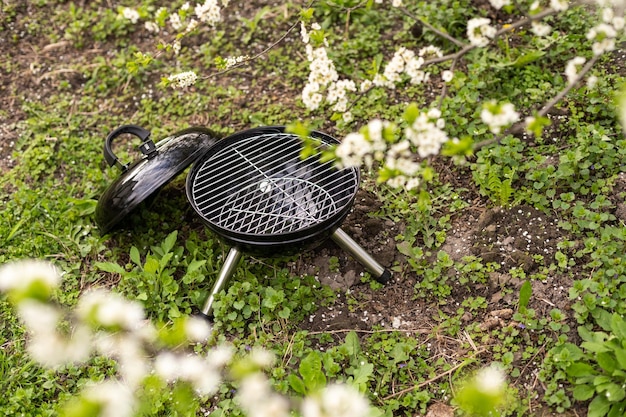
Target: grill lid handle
[(147, 146)]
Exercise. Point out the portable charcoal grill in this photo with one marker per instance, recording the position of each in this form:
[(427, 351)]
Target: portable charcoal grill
[(255, 191), (252, 189)]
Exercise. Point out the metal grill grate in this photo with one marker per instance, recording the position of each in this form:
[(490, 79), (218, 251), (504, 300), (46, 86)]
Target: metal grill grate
[(259, 185)]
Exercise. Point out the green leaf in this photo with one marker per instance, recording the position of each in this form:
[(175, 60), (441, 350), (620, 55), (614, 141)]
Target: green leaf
[(352, 344), (527, 58), (598, 407), (134, 255), (603, 318), (617, 410), (614, 392), (607, 361), (311, 371), (195, 265), (580, 369), (618, 325), (169, 242), (110, 267), (620, 355), (411, 113), (151, 266), (296, 384), (362, 375), (583, 392), (525, 292)]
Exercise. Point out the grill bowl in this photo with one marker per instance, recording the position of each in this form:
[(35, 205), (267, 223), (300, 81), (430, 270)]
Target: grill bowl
[(254, 191)]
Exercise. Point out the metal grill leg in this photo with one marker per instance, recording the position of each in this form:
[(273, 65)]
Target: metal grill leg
[(225, 273), (380, 273)]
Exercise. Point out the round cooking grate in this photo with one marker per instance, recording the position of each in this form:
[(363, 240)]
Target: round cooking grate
[(259, 185)]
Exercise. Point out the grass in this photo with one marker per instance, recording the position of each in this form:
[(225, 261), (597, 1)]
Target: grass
[(62, 109)]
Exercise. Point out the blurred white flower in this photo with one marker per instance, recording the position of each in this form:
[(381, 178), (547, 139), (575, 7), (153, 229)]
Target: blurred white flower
[(208, 12), (604, 36), (498, 4), (183, 79), (104, 308), (353, 149), (262, 358), (175, 21), (114, 398), (447, 76), (336, 400), (311, 96), (152, 27), (592, 81), (540, 28), (220, 355), (24, 274), (197, 329), (198, 371), (490, 380), (572, 67), (426, 133), (258, 400), (479, 31), (130, 14), (48, 345), (497, 116), (559, 5), (430, 52)]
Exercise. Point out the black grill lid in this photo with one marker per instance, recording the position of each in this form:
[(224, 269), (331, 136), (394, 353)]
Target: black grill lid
[(160, 164)]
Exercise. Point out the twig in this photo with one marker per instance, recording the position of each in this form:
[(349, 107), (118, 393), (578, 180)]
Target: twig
[(444, 90), (432, 28), (435, 378), (519, 127), (263, 52)]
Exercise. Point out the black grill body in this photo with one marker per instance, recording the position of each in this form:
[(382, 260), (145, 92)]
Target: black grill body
[(255, 191)]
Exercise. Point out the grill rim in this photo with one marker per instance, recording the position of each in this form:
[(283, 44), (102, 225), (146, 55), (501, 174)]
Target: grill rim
[(251, 241)]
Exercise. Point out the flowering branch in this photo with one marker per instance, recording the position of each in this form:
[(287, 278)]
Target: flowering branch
[(519, 127)]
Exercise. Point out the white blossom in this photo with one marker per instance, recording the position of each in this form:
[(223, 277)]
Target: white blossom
[(604, 36), (559, 5), (114, 398), (152, 27), (479, 32), (490, 380), (311, 96), (21, 275), (592, 81), (257, 399), (336, 400), (496, 116), (540, 29), (197, 329), (571, 69), (130, 14), (103, 308), (175, 21), (426, 133), (447, 76), (183, 79), (430, 52), (202, 374), (208, 12), (47, 345), (498, 4), (353, 149)]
